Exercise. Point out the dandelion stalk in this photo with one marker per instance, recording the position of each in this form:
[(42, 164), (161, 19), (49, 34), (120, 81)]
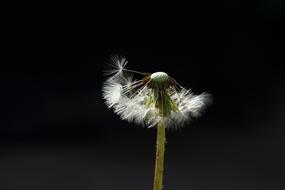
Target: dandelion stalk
[(159, 161), (154, 100)]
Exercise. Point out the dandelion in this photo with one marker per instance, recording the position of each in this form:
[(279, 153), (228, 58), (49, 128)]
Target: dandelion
[(156, 100)]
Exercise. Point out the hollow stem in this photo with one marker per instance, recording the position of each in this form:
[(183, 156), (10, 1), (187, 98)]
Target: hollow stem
[(160, 146)]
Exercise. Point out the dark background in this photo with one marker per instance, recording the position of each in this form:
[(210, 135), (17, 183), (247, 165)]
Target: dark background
[(56, 133)]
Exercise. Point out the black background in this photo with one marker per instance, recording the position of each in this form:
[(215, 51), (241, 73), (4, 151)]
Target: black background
[(56, 132)]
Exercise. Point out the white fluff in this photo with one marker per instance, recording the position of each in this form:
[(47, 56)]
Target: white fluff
[(189, 106), (112, 92), (116, 66), (128, 98)]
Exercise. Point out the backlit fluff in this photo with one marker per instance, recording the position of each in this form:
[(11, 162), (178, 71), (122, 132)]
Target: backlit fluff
[(154, 98)]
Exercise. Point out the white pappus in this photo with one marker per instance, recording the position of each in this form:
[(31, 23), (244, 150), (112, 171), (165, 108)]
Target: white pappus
[(153, 99)]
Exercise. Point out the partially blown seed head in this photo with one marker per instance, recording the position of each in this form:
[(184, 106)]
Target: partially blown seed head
[(154, 98)]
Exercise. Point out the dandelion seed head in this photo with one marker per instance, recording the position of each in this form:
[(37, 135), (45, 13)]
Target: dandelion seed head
[(153, 99)]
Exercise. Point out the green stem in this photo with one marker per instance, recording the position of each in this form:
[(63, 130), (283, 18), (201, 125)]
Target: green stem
[(160, 146)]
